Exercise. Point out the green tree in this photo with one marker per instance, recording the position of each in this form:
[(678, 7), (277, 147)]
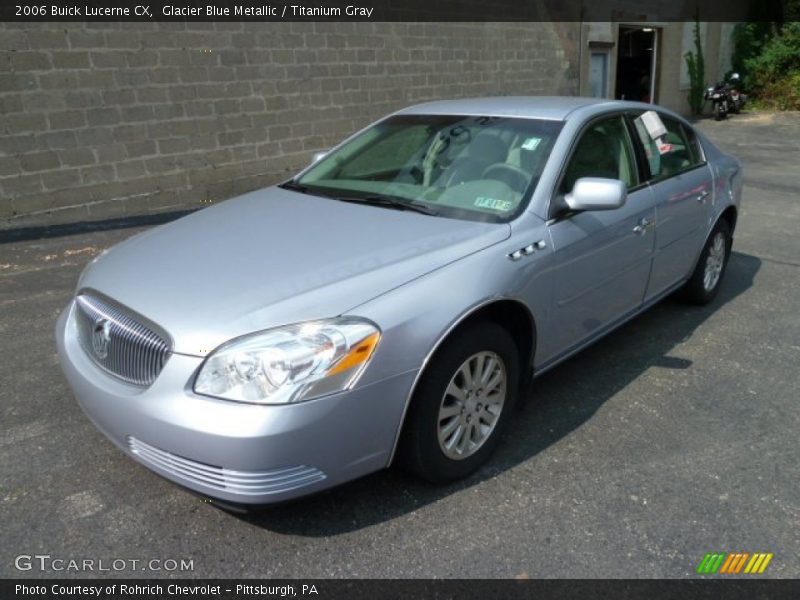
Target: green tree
[(766, 53), (748, 41), (775, 71), (697, 73)]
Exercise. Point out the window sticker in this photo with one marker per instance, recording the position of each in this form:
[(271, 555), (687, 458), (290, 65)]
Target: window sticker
[(493, 203), (531, 143)]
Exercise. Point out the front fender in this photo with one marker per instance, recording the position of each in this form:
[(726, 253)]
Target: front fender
[(416, 318)]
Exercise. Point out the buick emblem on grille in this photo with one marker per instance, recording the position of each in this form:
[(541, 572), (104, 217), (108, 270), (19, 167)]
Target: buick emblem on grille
[(101, 338)]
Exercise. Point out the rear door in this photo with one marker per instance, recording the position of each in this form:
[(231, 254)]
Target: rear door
[(602, 258), (682, 185)]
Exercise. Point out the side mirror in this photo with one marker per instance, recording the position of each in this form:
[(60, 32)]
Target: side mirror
[(596, 193), (318, 156)]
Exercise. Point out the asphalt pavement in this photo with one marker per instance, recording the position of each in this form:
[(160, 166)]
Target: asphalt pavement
[(675, 436)]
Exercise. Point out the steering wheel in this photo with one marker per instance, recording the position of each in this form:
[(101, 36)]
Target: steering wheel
[(518, 180)]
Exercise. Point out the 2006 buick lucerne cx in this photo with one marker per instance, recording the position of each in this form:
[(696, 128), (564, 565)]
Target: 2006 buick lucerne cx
[(390, 302)]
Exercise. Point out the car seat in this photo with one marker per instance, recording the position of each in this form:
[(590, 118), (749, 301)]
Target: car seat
[(595, 156), (485, 150)]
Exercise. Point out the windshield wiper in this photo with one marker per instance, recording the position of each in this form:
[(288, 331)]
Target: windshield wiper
[(295, 187), (398, 202), (390, 202)]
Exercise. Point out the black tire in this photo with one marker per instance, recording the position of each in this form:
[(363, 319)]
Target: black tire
[(717, 112), (696, 291), (420, 450)]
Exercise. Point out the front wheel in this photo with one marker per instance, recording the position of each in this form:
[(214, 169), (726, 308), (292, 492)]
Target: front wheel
[(717, 111), (461, 404), (705, 281)]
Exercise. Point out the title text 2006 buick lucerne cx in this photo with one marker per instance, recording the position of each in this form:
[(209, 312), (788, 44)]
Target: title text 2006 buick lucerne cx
[(389, 303)]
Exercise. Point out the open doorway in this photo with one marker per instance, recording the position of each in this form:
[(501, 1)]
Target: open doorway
[(637, 62)]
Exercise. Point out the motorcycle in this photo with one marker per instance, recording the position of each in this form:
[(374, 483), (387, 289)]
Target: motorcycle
[(726, 97), (718, 95)]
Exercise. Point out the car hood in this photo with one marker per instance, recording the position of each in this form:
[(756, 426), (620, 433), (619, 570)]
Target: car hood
[(273, 257)]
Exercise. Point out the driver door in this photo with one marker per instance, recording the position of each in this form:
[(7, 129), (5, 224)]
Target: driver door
[(602, 258)]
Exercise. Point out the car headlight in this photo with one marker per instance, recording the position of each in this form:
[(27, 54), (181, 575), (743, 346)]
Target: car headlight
[(291, 363)]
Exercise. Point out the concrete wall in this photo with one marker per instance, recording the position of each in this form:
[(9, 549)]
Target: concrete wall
[(105, 120)]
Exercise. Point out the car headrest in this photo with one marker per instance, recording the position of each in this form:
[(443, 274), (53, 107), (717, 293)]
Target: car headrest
[(488, 147), (594, 148)]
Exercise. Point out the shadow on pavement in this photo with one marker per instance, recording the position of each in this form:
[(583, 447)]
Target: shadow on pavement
[(25, 234), (594, 375)]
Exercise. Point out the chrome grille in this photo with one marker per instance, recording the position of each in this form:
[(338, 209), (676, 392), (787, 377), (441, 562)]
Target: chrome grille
[(118, 342), (272, 481)]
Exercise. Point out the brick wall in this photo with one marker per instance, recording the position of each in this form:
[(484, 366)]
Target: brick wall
[(105, 120)]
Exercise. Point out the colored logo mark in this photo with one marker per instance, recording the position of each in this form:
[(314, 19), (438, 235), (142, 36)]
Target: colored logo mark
[(734, 563)]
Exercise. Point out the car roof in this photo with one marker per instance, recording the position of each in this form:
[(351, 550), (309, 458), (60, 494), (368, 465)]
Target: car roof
[(529, 107), (532, 107)]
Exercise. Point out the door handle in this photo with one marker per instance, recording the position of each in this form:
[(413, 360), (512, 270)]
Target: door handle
[(703, 195), (641, 228)]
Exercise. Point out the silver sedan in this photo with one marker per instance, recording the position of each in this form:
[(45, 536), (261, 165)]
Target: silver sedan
[(391, 302)]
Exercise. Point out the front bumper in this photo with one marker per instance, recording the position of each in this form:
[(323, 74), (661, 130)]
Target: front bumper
[(234, 452)]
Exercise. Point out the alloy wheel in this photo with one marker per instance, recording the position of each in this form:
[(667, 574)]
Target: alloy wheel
[(471, 405), (714, 262)]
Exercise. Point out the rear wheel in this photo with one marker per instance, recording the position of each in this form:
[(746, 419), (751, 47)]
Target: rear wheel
[(705, 281), (461, 404)]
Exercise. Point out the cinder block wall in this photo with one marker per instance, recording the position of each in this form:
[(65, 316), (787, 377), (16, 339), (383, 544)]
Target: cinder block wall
[(106, 120)]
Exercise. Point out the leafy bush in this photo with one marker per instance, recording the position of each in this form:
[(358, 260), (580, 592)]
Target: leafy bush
[(774, 74), (781, 94), (779, 56), (748, 41)]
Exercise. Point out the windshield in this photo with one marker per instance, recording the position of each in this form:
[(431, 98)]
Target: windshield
[(468, 167)]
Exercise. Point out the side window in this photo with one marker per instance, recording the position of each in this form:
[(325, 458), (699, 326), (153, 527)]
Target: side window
[(603, 150), (673, 152)]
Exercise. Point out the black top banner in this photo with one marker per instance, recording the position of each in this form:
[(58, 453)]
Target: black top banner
[(394, 10)]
